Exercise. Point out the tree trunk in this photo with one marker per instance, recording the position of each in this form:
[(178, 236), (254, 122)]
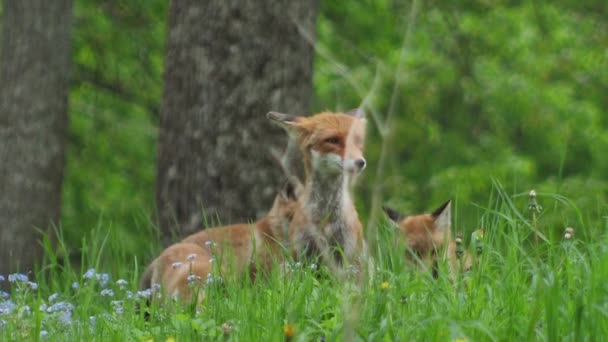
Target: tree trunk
[(34, 81), (228, 63)]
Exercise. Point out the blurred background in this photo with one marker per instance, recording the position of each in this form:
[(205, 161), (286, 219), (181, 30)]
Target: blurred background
[(486, 93)]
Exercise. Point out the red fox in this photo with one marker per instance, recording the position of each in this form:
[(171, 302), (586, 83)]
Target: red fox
[(427, 235), (326, 224), (236, 249)]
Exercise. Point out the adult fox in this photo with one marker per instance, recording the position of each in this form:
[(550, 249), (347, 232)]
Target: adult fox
[(326, 224)]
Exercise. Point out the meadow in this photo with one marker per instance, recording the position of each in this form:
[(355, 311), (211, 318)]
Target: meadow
[(523, 286), (475, 101)]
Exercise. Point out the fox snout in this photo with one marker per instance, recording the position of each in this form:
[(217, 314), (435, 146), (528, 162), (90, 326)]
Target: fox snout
[(354, 165)]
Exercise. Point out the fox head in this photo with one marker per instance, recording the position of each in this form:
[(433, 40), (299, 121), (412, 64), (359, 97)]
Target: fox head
[(424, 234), (331, 143)]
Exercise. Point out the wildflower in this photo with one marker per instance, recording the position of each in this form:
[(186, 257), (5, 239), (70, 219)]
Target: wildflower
[(25, 310), (313, 266), (60, 306), (53, 297), (103, 279), (569, 233), (209, 243), (32, 285), (177, 265), (121, 283), (17, 277), (129, 295), (385, 285), (107, 293), (192, 278), (6, 307), (297, 265), (191, 257), (2, 278), (44, 333), (117, 304), (212, 260), (89, 274), (43, 307), (75, 285), (288, 331), (92, 320), (144, 294), (209, 279), (66, 317), (4, 295)]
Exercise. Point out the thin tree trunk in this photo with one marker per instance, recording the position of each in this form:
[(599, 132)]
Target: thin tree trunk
[(34, 81), (228, 63)]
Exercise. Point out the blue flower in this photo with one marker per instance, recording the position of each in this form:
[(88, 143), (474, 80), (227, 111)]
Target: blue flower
[(44, 333), (2, 278), (60, 306), (121, 283), (25, 310), (66, 317), (75, 285), (6, 307), (4, 295), (144, 294), (107, 293), (103, 279), (17, 277), (32, 285), (89, 274), (129, 295)]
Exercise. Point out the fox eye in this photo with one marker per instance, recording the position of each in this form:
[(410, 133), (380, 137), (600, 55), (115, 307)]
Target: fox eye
[(333, 140)]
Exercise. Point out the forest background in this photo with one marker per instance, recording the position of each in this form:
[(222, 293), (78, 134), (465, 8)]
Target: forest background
[(489, 92)]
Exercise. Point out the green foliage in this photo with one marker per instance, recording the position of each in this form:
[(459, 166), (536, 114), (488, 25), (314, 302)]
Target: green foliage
[(552, 290)]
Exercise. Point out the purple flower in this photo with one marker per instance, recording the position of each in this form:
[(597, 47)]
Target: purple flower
[(32, 285), (192, 278), (17, 277), (2, 278), (191, 257), (177, 265), (4, 295)]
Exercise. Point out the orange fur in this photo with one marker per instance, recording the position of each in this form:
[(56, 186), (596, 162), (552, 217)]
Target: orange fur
[(235, 249), (326, 225), (428, 237)]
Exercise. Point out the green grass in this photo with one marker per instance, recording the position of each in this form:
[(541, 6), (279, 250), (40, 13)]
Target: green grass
[(519, 290)]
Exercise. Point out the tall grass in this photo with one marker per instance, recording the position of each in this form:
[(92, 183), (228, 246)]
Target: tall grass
[(519, 289)]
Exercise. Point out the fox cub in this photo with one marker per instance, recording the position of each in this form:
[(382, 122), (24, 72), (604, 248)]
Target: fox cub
[(428, 237), (235, 249), (325, 224)]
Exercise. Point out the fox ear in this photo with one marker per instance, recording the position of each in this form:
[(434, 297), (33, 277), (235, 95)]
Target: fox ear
[(392, 214), (357, 113), (443, 216)]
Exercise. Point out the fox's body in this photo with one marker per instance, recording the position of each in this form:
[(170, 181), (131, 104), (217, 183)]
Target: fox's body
[(326, 224), (235, 249), (428, 238)]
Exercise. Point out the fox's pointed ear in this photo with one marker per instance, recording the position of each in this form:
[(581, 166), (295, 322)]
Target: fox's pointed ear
[(443, 216), (290, 123), (357, 113), (392, 214)]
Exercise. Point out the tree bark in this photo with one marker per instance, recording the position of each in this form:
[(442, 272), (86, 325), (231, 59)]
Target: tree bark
[(34, 82), (228, 63)]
